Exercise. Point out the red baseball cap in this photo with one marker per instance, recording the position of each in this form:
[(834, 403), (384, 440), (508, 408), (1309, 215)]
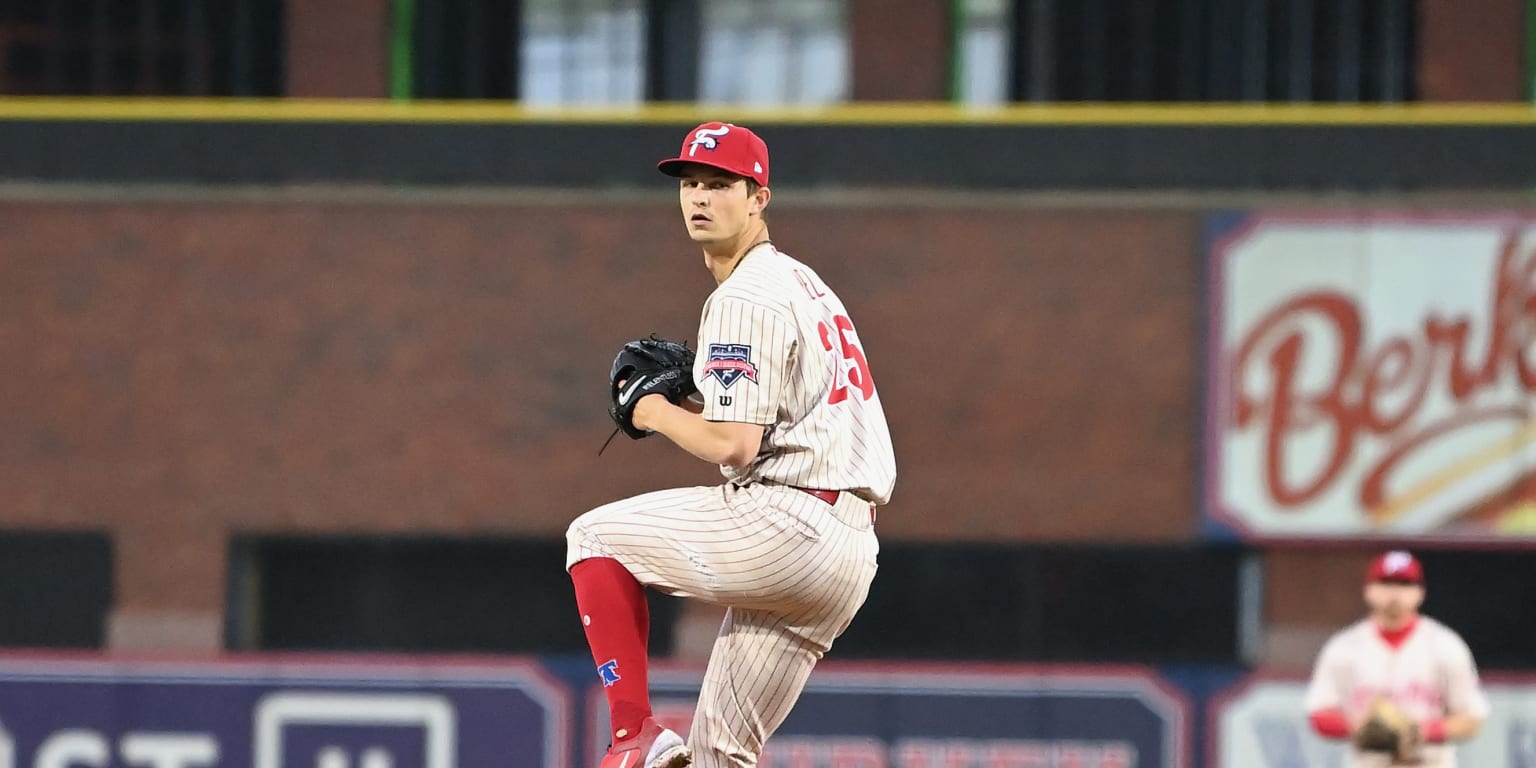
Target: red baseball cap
[(1395, 566), (731, 148)]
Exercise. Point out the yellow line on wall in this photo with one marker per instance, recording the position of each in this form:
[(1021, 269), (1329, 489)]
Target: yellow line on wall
[(880, 113)]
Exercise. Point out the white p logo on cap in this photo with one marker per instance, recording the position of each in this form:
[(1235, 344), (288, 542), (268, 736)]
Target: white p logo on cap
[(1396, 561), (707, 138)]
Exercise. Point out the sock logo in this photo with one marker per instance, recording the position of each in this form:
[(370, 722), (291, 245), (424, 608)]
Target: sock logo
[(609, 672)]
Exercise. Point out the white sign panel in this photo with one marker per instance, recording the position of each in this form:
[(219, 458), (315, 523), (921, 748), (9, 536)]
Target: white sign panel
[(1372, 377), (1264, 725)]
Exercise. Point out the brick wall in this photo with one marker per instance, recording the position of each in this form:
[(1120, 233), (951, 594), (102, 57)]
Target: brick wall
[(177, 372)]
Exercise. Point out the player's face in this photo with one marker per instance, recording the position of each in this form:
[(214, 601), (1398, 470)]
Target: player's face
[(1393, 603), (717, 205)]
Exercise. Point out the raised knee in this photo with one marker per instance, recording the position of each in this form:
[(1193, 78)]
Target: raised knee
[(580, 542), (575, 537)]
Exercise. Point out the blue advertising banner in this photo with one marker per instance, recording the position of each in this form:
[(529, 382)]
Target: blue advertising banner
[(314, 713), (953, 716)]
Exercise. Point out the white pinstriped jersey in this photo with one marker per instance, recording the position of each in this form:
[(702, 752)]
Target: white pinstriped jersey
[(777, 348), (1431, 675)]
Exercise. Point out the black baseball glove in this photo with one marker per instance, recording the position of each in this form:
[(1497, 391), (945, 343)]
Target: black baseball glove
[(652, 366)]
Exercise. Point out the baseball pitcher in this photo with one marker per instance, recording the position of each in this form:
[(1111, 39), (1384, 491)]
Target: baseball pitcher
[(779, 393)]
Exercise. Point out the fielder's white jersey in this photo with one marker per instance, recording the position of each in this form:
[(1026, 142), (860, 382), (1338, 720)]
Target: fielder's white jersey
[(777, 348), (1430, 675)]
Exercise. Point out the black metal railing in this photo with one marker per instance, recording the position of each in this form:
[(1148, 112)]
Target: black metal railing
[(1213, 50), (142, 47), (622, 51), (789, 51), (462, 49)]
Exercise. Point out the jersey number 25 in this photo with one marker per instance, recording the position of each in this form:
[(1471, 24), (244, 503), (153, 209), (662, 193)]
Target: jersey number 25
[(855, 374)]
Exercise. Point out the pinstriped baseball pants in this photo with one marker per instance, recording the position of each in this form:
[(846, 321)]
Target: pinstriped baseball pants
[(791, 569)]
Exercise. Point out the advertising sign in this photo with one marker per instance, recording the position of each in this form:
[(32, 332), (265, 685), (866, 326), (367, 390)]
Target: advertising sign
[(1262, 724), (101, 714), (932, 716), (1371, 376)]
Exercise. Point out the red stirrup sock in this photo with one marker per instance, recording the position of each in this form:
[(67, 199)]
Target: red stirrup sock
[(618, 626)]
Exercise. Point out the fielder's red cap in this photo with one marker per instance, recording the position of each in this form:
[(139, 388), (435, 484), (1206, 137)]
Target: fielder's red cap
[(731, 148), (1396, 566)]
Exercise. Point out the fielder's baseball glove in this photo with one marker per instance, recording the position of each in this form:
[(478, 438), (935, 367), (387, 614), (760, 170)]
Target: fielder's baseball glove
[(652, 366), (1386, 729)]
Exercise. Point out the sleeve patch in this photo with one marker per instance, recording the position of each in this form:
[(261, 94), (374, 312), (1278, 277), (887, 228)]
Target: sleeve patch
[(729, 362)]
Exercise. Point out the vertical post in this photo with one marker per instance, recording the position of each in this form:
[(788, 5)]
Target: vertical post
[(673, 37), (7, 85), (1393, 52), (149, 47), (1034, 50), (1144, 41), (101, 46), (472, 47), (958, 26), (1094, 85), (53, 58), (1530, 49), (402, 49), (1222, 63), (1347, 63), (1300, 74), (514, 51), (1191, 21), (1250, 609), (241, 48), (195, 41), (242, 614), (427, 47), (1255, 54)]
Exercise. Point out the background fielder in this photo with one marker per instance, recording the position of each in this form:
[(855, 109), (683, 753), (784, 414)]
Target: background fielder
[(1418, 664), (791, 415)]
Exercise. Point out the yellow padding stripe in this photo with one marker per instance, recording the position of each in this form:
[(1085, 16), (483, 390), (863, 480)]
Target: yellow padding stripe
[(866, 113)]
